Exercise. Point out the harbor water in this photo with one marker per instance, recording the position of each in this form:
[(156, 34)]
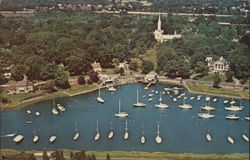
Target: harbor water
[(182, 131)]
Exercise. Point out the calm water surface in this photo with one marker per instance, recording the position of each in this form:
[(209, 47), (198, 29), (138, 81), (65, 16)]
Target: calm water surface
[(181, 130)]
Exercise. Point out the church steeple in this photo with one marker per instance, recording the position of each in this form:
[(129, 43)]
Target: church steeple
[(159, 23)]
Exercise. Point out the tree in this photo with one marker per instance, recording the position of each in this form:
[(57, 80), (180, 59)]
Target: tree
[(201, 68), (3, 80), (45, 155), (121, 71), (81, 80), (216, 80), (61, 80), (135, 64), (229, 76), (74, 65), (48, 71), (115, 61), (49, 87), (147, 66), (108, 157), (18, 71), (93, 76), (35, 64)]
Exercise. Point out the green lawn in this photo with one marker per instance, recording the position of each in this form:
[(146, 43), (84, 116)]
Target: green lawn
[(220, 91), (150, 55), (80, 89)]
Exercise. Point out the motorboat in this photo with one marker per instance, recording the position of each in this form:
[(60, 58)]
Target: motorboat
[(230, 140), (111, 133), (28, 111), (52, 139), (77, 134), (99, 98), (60, 107), (174, 99), (215, 99), (207, 99), (209, 138), (111, 89), (199, 97), (139, 104), (121, 114), (126, 131), (54, 111), (9, 135), (37, 113), (18, 138), (29, 122), (158, 139), (191, 98), (97, 136), (150, 95), (245, 138), (226, 101), (205, 115), (150, 99), (35, 138)]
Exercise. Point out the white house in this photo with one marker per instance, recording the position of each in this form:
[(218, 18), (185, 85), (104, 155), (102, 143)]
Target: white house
[(151, 77), (21, 87), (220, 65)]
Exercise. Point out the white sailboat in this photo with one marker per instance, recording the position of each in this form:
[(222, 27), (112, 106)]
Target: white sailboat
[(54, 111), (158, 138), (111, 133), (60, 107), (18, 138), (126, 131), (52, 139), (205, 115), (99, 98), (245, 138), (143, 139), (37, 113), (184, 105), (121, 114), (209, 138), (35, 138), (139, 104), (231, 140), (234, 108), (28, 111), (160, 99), (97, 136), (77, 134), (232, 117), (208, 108)]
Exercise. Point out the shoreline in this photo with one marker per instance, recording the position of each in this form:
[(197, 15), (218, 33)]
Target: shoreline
[(144, 155), (63, 93)]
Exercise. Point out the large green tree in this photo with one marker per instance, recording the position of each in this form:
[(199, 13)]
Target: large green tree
[(147, 66), (61, 80)]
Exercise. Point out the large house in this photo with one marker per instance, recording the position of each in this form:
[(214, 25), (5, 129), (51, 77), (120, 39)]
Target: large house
[(220, 65), (160, 37), (24, 86)]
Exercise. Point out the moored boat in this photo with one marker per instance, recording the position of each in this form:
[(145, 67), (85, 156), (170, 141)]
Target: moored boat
[(158, 139), (52, 139), (126, 131), (121, 114), (209, 138), (245, 138), (205, 115), (230, 140), (37, 113), (99, 98), (18, 138), (97, 136), (138, 104)]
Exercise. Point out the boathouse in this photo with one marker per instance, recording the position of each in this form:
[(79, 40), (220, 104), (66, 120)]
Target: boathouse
[(151, 77)]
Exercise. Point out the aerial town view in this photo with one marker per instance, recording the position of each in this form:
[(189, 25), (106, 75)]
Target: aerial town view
[(124, 79)]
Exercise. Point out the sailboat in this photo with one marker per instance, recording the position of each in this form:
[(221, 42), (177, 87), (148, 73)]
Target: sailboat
[(18, 138), (143, 139), (160, 99), (205, 115), (184, 105), (207, 99), (139, 104), (52, 139), (121, 114), (97, 136), (99, 98), (9, 135), (54, 111), (111, 133), (234, 108), (28, 111), (126, 131), (77, 134), (245, 138), (208, 108), (231, 140), (209, 138), (158, 138), (232, 117), (35, 138), (161, 105), (37, 113)]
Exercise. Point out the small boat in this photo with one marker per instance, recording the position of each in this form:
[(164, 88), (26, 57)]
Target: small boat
[(121, 114), (9, 135), (184, 105), (144, 96), (35, 139), (143, 139), (139, 104), (52, 139), (178, 97), (176, 92), (205, 115), (18, 138), (234, 108), (77, 134), (153, 91), (99, 98), (199, 97), (158, 138), (111, 133), (97, 136), (226, 101), (150, 99), (28, 111), (232, 102), (60, 107), (168, 92), (207, 99), (111, 89), (163, 92), (126, 131), (208, 108), (215, 99), (209, 138), (166, 89), (245, 138), (37, 113), (230, 140), (232, 117), (182, 94), (174, 99), (150, 95), (160, 99), (54, 111), (247, 118), (191, 98), (161, 105), (156, 92), (29, 122)]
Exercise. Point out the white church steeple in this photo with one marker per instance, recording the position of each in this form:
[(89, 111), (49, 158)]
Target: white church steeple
[(159, 23)]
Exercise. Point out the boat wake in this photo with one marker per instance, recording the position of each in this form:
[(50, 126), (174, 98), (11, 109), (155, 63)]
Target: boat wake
[(9, 135)]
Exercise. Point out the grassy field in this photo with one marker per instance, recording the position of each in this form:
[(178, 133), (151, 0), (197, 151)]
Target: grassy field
[(81, 89), (150, 55), (219, 91), (153, 155)]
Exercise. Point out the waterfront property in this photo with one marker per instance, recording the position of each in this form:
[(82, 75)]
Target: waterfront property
[(96, 67), (220, 65), (180, 130), (24, 86)]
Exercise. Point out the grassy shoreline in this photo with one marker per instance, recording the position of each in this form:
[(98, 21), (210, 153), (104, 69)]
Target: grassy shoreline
[(148, 155)]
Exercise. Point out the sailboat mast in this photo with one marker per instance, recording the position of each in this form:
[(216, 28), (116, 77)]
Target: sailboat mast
[(126, 126), (184, 98), (119, 105), (137, 96), (97, 126), (99, 93)]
